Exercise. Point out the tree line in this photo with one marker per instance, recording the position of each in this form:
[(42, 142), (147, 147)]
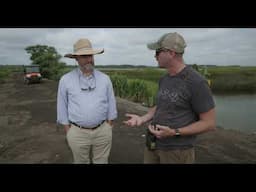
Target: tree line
[(51, 67)]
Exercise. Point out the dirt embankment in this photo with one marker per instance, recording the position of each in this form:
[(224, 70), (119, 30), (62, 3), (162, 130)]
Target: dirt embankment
[(28, 132)]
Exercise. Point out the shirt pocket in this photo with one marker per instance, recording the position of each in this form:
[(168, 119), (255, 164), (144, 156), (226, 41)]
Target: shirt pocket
[(74, 92)]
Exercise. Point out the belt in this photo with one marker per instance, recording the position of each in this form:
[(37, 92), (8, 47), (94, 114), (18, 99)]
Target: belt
[(87, 127)]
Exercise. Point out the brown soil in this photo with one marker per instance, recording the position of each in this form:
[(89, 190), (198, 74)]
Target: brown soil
[(28, 131)]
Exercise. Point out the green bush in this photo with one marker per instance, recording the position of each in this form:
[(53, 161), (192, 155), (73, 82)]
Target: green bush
[(152, 89), (120, 85), (4, 73), (138, 90)]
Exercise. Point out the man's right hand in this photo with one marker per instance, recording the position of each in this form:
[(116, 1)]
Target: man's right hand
[(134, 120), (66, 128)]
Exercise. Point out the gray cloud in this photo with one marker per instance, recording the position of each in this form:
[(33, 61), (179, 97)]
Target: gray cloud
[(215, 46)]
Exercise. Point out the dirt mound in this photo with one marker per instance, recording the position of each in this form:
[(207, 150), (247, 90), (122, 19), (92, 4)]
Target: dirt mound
[(28, 131)]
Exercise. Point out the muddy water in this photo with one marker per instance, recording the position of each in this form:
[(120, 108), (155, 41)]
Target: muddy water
[(236, 112)]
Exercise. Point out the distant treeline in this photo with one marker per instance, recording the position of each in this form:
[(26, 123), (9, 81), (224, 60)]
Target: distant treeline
[(123, 66)]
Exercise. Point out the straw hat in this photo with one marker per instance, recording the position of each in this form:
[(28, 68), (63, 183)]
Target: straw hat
[(83, 47)]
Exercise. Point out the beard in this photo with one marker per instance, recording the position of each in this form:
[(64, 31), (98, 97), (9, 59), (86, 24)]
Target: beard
[(87, 67)]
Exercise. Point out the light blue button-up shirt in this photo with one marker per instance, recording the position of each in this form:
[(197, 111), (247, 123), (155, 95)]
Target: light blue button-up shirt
[(87, 101)]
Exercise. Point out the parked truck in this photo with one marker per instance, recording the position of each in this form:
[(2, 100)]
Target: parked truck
[(32, 74)]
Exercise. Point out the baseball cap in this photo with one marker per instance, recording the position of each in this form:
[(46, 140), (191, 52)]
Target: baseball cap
[(172, 41)]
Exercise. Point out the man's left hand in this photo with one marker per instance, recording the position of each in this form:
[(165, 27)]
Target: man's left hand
[(161, 131)]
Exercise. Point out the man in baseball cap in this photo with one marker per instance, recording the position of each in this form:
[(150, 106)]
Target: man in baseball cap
[(184, 106), (171, 41)]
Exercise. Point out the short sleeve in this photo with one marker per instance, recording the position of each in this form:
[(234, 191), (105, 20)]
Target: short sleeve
[(202, 98)]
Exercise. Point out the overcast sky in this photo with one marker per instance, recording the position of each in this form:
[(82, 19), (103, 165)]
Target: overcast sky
[(205, 46)]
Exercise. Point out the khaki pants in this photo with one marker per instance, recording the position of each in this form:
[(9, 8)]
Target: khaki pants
[(90, 146), (177, 156)]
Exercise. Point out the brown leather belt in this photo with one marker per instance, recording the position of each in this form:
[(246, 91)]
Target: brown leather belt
[(87, 127)]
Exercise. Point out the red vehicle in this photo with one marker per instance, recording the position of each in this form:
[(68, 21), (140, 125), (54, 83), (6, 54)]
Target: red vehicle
[(32, 74)]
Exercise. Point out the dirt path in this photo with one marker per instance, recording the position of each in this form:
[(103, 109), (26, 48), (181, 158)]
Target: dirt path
[(28, 132)]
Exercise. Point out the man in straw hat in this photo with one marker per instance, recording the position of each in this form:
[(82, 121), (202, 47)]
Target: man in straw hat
[(86, 106), (184, 106)]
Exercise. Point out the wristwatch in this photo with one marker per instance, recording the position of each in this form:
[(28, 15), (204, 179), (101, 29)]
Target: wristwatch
[(177, 132)]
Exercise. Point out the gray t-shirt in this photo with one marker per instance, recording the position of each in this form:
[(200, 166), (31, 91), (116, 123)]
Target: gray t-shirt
[(180, 100)]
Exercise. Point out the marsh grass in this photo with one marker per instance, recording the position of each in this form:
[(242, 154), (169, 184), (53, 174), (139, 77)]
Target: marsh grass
[(141, 85)]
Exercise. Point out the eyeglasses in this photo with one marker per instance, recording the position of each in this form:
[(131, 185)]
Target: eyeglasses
[(88, 89), (87, 84), (158, 51)]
